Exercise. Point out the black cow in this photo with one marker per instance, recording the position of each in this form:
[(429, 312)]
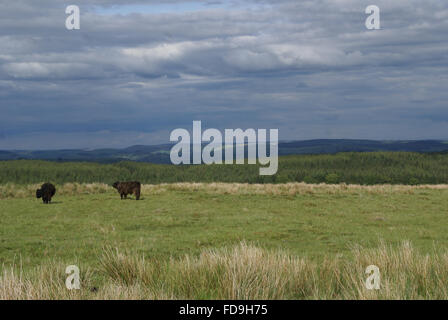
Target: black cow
[(130, 187), (46, 192)]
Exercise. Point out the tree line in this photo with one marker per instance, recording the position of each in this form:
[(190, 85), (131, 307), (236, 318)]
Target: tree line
[(365, 168)]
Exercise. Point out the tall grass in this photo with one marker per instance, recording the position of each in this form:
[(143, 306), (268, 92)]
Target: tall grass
[(10, 190), (244, 271)]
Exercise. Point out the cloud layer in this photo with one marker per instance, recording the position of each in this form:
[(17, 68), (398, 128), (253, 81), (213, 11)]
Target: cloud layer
[(137, 70)]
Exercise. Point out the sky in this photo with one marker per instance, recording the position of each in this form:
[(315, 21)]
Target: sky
[(136, 70)]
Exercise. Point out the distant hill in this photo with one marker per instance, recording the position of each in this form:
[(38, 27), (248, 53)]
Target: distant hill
[(331, 146), (160, 153), (154, 154)]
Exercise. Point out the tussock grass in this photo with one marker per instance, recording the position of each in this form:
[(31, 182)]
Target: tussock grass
[(42, 283), (19, 191), (293, 188), (11, 190), (244, 271)]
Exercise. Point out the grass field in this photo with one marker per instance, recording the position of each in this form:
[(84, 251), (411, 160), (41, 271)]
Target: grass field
[(292, 233)]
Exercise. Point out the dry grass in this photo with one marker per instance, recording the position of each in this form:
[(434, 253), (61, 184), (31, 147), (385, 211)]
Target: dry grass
[(242, 272), (19, 191), (8, 191), (286, 188)]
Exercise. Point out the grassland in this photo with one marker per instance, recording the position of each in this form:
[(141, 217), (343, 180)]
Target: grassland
[(196, 240)]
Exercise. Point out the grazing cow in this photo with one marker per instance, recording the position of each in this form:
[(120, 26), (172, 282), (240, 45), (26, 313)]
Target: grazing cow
[(130, 187), (46, 192)]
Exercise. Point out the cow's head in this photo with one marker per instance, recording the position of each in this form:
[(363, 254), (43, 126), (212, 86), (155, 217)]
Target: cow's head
[(115, 185)]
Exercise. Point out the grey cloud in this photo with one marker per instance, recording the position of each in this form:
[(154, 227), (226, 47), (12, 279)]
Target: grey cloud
[(309, 68)]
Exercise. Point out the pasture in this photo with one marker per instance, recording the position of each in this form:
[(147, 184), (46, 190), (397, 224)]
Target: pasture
[(120, 243)]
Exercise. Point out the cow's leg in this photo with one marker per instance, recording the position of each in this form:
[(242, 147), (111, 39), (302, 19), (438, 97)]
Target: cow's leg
[(137, 194)]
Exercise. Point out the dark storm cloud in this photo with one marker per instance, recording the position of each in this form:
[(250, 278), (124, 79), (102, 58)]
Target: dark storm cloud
[(309, 68)]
